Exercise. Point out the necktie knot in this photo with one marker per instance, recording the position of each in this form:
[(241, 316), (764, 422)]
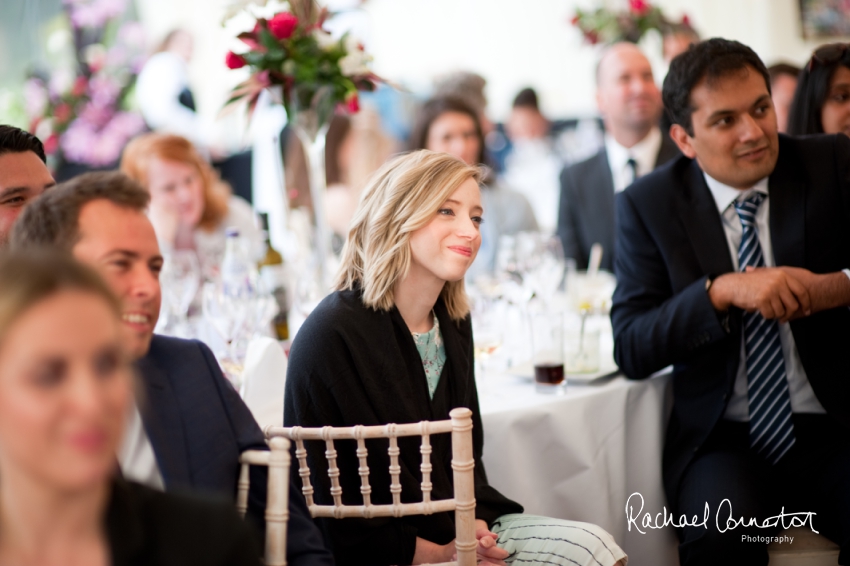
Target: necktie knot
[(748, 207)]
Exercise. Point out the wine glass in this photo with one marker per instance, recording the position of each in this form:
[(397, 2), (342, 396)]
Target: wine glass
[(180, 279), (227, 313)]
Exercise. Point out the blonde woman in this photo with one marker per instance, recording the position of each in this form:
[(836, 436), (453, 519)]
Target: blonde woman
[(393, 343), (65, 389)]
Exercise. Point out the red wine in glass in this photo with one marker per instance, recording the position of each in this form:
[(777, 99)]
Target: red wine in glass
[(550, 374)]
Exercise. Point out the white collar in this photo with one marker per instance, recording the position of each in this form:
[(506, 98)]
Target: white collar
[(644, 152), (724, 195)]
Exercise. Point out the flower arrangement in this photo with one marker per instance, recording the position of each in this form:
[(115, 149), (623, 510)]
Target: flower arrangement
[(83, 114), (608, 26), (292, 50)]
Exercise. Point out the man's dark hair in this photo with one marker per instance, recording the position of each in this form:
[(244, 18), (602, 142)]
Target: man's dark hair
[(52, 219), (526, 98), (804, 116), (435, 108), (708, 60), (16, 140)]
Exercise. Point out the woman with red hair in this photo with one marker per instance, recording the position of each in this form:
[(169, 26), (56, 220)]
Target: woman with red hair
[(190, 206)]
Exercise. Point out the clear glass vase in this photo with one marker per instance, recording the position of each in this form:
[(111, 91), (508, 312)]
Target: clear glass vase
[(311, 108)]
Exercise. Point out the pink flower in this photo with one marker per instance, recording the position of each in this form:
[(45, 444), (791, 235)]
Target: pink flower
[(80, 86), (62, 112), (51, 144), (234, 61), (282, 25), (575, 20), (638, 6), (352, 103), (686, 21)]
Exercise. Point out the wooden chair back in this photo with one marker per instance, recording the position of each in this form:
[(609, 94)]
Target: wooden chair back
[(277, 501), (463, 463)]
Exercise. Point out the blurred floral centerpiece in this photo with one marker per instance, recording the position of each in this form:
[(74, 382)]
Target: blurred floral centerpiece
[(313, 75), (312, 69), (607, 26), (83, 113)]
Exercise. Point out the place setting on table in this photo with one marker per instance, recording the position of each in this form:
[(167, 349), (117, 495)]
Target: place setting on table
[(539, 325)]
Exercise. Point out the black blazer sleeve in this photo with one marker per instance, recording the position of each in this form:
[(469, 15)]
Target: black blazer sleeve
[(654, 328), (567, 225), (304, 544)]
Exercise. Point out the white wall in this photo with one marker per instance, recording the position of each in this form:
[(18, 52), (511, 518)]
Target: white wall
[(513, 44)]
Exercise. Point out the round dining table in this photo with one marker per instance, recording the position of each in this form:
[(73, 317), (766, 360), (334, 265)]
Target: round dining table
[(583, 454)]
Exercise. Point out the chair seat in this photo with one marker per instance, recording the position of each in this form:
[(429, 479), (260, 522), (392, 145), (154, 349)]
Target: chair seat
[(808, 549)]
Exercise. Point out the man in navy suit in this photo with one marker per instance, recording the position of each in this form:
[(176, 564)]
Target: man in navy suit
[(190, 424), (630, 105), (732, 267)]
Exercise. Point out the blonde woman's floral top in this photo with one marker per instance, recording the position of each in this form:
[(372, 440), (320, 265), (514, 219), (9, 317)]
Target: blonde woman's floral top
[(433, 354)]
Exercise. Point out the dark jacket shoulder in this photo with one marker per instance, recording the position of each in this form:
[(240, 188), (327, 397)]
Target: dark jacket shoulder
[(146, 527)]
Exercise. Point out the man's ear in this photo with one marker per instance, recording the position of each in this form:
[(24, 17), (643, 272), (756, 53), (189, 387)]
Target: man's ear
[(683, 140)]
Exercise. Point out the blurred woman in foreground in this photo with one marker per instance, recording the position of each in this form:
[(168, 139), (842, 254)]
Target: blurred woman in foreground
[(393, 344), (822, 100), (190, 206), (65, 390)]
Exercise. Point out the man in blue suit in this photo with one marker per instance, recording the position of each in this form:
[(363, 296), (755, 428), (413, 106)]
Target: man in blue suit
[(732, 267), (190, 424)]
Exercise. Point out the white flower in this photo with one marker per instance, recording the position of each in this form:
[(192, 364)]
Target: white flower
[(325, 40), (355, 63)]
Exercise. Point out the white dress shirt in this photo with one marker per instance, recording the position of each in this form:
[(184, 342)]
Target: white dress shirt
[(803, 399), (644, 152), (136, 457)]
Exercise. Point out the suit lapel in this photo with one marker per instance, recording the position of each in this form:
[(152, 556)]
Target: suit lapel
[(161, 418), (701, 220), (787, 213), (599, 198)]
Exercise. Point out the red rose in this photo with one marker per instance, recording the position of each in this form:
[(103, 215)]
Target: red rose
[(282, 25), (352, 103), (51, 144), (686, 21), (638, 6), (575, 20), (592, 37), (234, 61)]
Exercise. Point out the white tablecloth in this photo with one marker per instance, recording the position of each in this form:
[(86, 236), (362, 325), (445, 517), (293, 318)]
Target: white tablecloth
[(581, 455)]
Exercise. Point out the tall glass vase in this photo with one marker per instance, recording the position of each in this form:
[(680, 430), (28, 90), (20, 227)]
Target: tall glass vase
[(311, 110)]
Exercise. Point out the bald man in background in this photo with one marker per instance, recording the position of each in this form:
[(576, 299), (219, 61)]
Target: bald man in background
[(630, 104), (23, 175)]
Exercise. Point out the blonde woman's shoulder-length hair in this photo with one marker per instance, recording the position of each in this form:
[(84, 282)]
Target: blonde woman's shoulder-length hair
[(400, 198)]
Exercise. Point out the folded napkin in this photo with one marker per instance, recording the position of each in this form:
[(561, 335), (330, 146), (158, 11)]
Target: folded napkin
[(263, 379)]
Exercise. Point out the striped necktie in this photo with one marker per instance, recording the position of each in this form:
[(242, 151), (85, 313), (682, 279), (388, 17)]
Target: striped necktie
[(633, 167), (771, 427)]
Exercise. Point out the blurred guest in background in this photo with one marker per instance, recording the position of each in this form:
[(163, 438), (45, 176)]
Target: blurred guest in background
[(356, 147), (190, 425), (450, 125), (630, 104), (532, 166), (676, 39), (165, 98), (393, 344), (783, 83), (65, 392), (822, 100), (469, 87), (190, 206), (164, 93), (23, 175), (729, 268)]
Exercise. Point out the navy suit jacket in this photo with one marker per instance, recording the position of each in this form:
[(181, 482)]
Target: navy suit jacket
[(670, 239), (586, 208), (198, 425)]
